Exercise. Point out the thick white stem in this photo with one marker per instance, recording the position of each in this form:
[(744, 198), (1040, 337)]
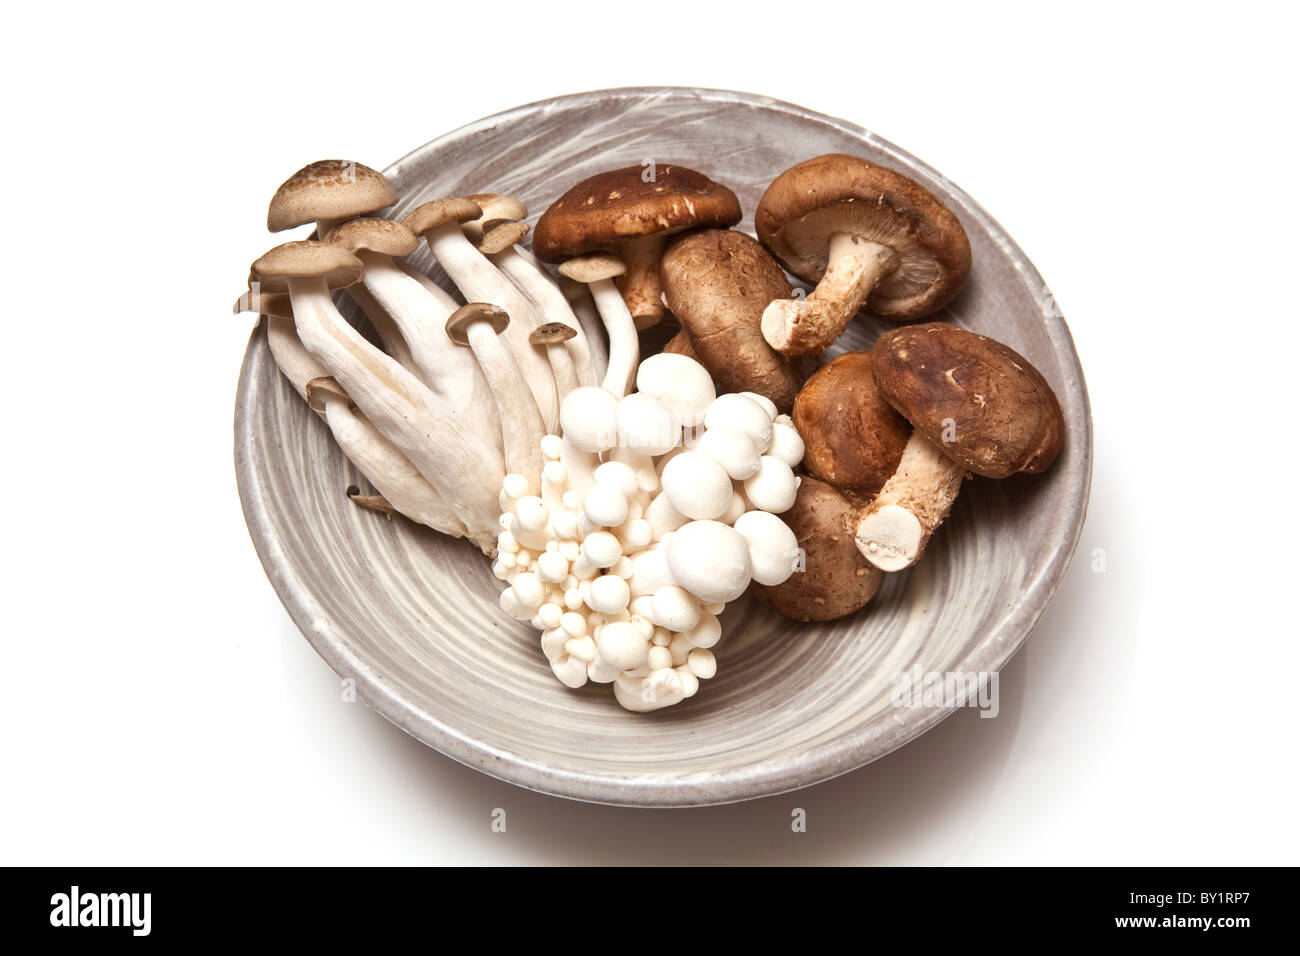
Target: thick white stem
[(480, 281), (390, 336), (803, 326), (624, 348), (584, 309), (542, 291), (522, 429), (463, 469), (894, 529), (448, 370)]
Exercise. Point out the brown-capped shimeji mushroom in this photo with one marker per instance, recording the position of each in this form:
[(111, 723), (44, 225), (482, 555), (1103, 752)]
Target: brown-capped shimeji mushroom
[(833, 579), (500, 243), (976, 406), (478, 325), (326, 193), (597, 270), (718, 282), (398, 482), (632, 212), (868, 236), (496, 208), (479, 280), (553, 336), (465, 470), (853, 438), (419, 316)]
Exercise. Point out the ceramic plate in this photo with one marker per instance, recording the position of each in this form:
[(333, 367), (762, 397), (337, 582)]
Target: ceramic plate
[(413, 616)]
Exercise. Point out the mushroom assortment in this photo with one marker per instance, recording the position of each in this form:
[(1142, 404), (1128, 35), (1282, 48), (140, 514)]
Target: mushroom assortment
[(626, 499)]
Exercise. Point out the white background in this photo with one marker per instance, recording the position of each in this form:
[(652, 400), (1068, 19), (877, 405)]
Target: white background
[(157, 704)]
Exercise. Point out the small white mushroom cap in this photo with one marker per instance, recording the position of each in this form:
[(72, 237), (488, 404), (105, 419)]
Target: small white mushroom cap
[(589, 418), (571, 671), (702, 663), (745, 414), (768, 405), (604, 506), (622, 645), (787, 444), (709, 559), (774, 487), (609, 594), (647, 425), (680, 382), (697, 486), (675, 609), (773, 547), (602, 549), (707, 633), (650, 572), (731, 448), (618, 475)]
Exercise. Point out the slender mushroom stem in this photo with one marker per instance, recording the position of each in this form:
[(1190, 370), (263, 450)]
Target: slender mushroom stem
[(854, 267), (598, 270), (593, 330), (555, 337), (390, 336), (480, 281), (479, 326), (893, 530), (460, 466), (640, 285), (500, 243)]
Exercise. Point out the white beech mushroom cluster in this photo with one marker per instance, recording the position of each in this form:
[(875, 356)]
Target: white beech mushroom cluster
[(653, 510)]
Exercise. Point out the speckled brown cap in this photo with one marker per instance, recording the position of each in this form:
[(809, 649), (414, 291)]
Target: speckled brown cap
[(610, 208), (810, 201), (330, 189), (303, 260), (385, 236), (979, 401)]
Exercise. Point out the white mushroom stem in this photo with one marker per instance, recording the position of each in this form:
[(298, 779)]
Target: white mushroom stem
[(566, 375), (542, 291), (640, 286), (579, 466), (480, 281), (462, 468), (624, 348), (384, 466), (584, 310), (522, 428), (390, 336), (448, 370), (893, 530), (854, 267)]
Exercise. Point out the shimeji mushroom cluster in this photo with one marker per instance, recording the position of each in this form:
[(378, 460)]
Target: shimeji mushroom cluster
[(654, 509)]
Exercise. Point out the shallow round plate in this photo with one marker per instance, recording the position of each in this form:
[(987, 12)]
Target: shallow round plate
[(413, 617)]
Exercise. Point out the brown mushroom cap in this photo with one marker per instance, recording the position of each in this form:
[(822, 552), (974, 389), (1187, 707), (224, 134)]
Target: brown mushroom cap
[(385, 236), (551, 333), (458, 322), (610, 208), (837, 579), (718, 282), (983, 404), (810, 201), (328, 189), (440, 212), (853, 438), (498, 236), (593, 267), (303, 260), (495, 206)]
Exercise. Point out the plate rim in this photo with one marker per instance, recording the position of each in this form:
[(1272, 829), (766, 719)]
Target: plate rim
[(824, 762)]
